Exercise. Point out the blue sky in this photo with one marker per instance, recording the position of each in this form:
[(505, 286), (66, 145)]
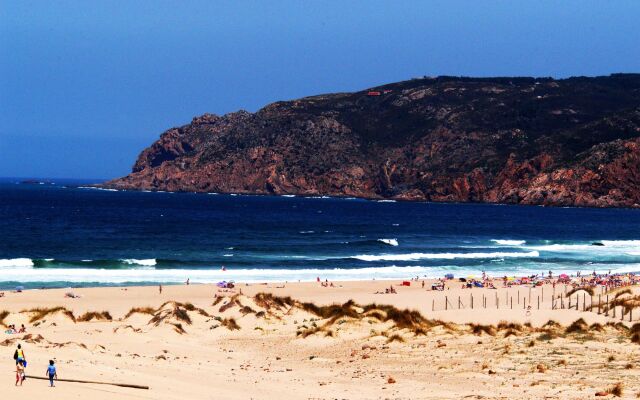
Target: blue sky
[(86, 85)]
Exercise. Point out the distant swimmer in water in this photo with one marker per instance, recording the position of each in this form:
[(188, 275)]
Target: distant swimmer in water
[(224, 268)]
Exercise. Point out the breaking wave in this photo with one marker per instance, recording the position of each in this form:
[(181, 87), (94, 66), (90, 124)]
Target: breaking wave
[(441, 256)]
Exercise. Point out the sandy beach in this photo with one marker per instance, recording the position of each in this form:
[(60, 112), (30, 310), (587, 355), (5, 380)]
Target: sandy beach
[(268, 342)]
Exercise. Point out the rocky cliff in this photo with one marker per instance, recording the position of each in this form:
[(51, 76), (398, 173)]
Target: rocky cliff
[(566, 142)]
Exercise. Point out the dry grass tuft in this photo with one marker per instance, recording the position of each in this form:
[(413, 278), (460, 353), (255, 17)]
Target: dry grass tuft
[(623, 292), (478, 329), (551, 324), (217, 301), (178, 328), (395, 338), (577, 326), (3, 315), (269, 301), (230, 324), (510, 332), (247, 310), (616, 390), (140, 310), (589, 290), (98, 316), (41, 313)]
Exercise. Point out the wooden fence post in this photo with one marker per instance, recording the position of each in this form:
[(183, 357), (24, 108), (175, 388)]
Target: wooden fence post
[(472, 301), (599, 303), (539, 302), (446, 303), (433, 304), (512, 302)]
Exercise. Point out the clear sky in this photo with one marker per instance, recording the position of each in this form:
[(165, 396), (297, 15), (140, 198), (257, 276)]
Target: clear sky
[(86, 85)]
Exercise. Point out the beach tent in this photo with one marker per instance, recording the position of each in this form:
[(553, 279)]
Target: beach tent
[(448, 276)]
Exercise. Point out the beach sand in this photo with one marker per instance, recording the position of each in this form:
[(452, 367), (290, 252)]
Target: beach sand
[(290, 351)]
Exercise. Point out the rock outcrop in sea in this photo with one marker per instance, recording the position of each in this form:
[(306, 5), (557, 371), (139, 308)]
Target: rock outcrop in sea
[(543, 141)]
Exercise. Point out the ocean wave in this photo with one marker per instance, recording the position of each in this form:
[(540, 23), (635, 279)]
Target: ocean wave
[(15, 262), (150, 262), (121, 276), (391, 242), (441, 256), (508, 242), (98, 188), (621, 243)]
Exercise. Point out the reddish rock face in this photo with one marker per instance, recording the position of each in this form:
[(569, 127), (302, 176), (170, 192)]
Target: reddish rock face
[(570, 142)]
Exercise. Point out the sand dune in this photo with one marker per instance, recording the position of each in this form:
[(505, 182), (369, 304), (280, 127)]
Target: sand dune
[(306, 341)]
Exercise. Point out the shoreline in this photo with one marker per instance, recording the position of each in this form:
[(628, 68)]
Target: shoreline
[(380, 199)]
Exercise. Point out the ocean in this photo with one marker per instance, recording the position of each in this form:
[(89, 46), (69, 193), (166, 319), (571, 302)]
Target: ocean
[(64, 234)]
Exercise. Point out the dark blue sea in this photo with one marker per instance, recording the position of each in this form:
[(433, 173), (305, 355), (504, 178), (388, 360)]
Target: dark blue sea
[(63, 233)]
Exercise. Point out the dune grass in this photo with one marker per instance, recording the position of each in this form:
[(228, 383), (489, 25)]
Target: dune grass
[(589, 290), (616, 390), (395, 338), (97, 315), (140, 310), (230, 323), (577, 326), (41, 313), (478, 329), (3, 315)]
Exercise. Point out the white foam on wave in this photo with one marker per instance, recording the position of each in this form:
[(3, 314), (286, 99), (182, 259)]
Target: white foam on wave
[(151, 275), (16, 262), (391, 242), (604, 246), (621, 243), (27, 274), (440, 256), (150, 262), (566, 247), (508, 242), (110, 276), (98, 188)]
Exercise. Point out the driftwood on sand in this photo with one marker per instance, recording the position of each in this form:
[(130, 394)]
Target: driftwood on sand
[(94, 382)]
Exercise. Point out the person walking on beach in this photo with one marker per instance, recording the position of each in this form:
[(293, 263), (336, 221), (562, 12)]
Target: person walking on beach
[(20, 376), (51, 372), (18, 355)]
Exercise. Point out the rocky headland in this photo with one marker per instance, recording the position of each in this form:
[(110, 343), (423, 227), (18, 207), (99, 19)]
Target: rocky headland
[(538, 141)]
